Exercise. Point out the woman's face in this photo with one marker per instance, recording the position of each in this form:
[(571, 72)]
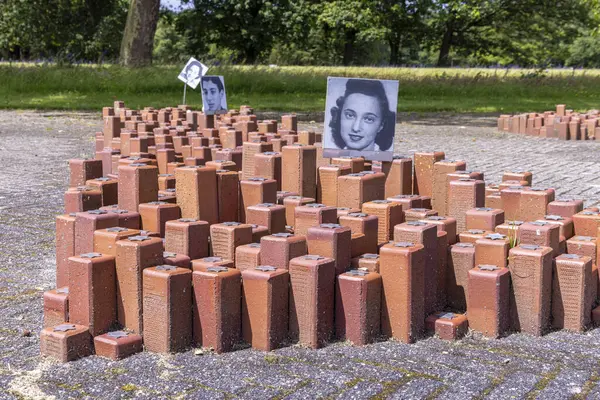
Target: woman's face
[(193, 72), (360, 121), (212, 94)]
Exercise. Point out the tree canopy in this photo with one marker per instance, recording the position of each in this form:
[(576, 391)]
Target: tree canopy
[(526, 33)]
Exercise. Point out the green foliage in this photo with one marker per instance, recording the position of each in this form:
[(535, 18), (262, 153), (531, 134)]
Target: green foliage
[(299, 89), (585, 51), (528, 33), (66, 29), (170, 46)]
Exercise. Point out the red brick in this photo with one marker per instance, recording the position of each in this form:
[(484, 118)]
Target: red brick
[(65, 247), (312, 215), (366, 262), (518, 175), (447, 325), (327, 183), (105, 240), (407, 201), (571, 300), (439, 193), (389, 215), (492, 249), (226, 236), (255, 191), (56, 307), (488, 304), (464, 195), (167, 328), (484, 218), (267, 214), (565, 207), (586, 222), (197, 193), (472, 235), (134, 254), (217, 307), (511, 202), (247, 256), (426, 235), (85, 225), (92, 292), (364, 224), (82, 198), (358, 306), (399, 179), (177, 260), (333, 241), (540, 233), (402, 266), (423, 174), (461, 259), (444, 224), (109, 189), (299, 170), (265, 296), (565, 225), (356, 189), (290, 203), (84, 170), (312, 282), (66, 342), (583, 246), (531, 273), (278, 249), (417, 214), (187, 236), (117, 345), (138, 183), (207, 262)]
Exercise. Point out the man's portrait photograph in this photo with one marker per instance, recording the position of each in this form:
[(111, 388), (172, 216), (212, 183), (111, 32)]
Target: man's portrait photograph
[(214, 99), (360, 118)]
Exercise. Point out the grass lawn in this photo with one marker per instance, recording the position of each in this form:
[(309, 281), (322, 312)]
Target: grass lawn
[(301, 89)]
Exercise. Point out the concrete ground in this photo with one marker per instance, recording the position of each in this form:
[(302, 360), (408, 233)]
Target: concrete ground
[(34, 149)]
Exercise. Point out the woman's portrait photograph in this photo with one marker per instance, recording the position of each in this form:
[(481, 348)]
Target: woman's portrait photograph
[(214, 99), (360, 118), (192, 72)]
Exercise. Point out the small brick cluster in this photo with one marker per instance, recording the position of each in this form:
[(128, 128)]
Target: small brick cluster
[(196, 230), (562, 124)]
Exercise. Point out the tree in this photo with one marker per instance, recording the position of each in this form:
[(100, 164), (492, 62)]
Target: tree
[(403, 24), (247, 26), (138, 37), (346, 22)]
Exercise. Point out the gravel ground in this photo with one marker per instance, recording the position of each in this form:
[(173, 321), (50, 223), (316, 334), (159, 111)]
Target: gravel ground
[(34, 149)]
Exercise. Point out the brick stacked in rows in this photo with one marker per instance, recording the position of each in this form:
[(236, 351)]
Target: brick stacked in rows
[(562, 124), (176, 235)]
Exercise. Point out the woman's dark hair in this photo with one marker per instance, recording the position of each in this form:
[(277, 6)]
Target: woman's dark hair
[(372, 88), (214, 79), (193, 64)]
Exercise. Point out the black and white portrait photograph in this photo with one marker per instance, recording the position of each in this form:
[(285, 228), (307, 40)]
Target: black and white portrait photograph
[(360, 118), (214, 99), (192, 72)]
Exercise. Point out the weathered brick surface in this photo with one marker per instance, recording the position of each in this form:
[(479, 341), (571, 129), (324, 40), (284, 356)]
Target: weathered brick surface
[(510, 366)]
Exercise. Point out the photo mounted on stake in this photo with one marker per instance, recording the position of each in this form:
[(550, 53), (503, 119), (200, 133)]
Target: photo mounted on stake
[(214, 100), (192, 72), (360, 118)]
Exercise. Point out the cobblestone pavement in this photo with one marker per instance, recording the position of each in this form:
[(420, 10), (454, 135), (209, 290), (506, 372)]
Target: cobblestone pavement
[(34, 149)]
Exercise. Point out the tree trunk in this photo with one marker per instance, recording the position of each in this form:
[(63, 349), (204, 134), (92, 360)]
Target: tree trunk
[(443, 60), (394, 51), (138, 37), (349, 47)]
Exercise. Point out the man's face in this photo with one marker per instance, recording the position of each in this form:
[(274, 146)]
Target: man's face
[(212, 95), (193, 72), (360, 121)]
